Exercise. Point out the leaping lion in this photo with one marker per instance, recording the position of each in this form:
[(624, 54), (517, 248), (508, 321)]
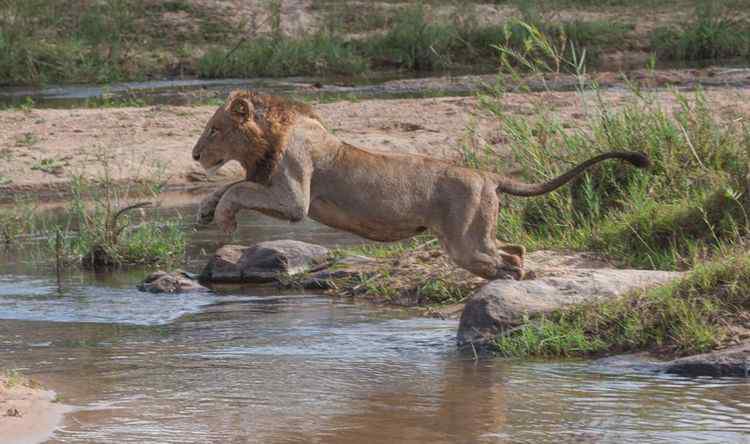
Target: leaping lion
[(296, 168)]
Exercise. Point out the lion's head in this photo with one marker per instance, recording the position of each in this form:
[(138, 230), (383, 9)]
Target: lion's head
[(251, 129)]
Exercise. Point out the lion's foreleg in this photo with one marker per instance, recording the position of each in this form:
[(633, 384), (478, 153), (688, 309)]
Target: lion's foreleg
[(286, 201), (208, 205)]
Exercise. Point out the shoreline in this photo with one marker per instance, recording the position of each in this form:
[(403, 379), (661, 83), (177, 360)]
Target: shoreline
[(28, 413)]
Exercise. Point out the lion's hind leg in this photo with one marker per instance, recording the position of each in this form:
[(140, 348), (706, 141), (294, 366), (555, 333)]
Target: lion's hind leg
[(468, 235)]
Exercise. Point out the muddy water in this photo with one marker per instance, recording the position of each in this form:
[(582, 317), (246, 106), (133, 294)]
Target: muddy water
[(727, 73), (192, 91), (256, 365)]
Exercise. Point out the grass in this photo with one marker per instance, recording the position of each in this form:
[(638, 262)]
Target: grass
[(101, 226), (49, 166), (412, 42), (711, 35), (688, 211), (99, 42), (278, 57), (691, 316), (12, 378), (118, 40), (669, 217)]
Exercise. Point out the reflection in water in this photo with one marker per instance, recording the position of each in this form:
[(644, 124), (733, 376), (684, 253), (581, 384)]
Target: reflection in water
[(254, 365)]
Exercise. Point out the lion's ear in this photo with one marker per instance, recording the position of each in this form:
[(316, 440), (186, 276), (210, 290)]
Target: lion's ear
[(240, 110)]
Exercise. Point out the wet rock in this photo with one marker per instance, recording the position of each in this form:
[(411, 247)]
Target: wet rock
[(264, 262), (504, 304), (175, 282), (734, 361)]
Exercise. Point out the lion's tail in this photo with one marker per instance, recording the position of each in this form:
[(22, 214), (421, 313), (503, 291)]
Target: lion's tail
[(517, 188)]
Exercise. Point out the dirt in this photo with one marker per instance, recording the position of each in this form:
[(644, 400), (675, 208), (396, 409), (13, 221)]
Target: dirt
[(28, 413), (42, 149)]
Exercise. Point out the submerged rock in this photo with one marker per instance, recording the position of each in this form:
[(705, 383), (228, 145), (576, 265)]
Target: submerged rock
[(264, 262), (504, 304), (734, 361), (173, 282)]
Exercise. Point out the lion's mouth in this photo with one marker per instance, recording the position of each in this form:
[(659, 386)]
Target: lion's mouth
[(212, 170)]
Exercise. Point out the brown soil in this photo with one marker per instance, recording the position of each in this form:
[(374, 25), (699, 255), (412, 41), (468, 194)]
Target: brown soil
[(28, 413), (41, 149)]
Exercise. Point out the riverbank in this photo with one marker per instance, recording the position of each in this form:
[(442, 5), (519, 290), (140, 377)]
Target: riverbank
[(42, 149), (28, 413), (103, 42)]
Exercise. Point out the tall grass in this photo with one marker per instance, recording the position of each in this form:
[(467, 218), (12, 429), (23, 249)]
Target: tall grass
[(100, 41), (687, 211), (413, 41), (102, 224), (713, 34), (668, 217), (277, 57), (39, 43)]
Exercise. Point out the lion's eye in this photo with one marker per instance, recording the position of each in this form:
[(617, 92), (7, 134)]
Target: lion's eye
[(213, 132)]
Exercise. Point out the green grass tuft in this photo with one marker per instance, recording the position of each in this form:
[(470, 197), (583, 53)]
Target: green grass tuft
[(711, 35), (688, 317)]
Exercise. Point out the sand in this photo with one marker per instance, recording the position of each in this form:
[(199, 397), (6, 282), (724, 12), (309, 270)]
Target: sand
[(28, 413)]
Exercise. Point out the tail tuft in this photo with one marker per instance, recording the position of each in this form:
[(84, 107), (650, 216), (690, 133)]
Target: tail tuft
[(639, 160)]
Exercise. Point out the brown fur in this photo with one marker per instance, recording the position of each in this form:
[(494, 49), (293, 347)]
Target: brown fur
[(265, 132), (295, 168)]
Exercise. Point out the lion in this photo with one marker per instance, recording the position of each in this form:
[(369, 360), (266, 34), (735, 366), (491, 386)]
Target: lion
[(295, 168)]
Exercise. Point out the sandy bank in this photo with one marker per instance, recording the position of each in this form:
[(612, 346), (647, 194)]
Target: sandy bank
[(28, 413), (40, 149)]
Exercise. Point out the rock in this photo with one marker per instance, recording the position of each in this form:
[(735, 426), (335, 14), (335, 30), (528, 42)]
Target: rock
[(734, 361), (175, 282), (264, 262), (504, 304)]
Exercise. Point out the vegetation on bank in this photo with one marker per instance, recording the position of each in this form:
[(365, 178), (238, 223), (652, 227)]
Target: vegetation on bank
[(117, 40), (102, 226), (687, 205), (714, 33), (708, 309), (410, 273), (689, 210)]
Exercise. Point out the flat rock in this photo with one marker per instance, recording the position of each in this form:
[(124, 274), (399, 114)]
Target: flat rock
[(503, 304), (264, 262), (171, 282), (733, 361)]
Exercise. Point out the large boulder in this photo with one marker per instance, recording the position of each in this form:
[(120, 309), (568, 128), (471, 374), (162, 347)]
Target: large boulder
[(173, 282), (264, 262), (733, 361), (504, 304)]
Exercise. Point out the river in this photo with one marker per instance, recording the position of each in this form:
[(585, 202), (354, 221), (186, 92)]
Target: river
[(257, 365)]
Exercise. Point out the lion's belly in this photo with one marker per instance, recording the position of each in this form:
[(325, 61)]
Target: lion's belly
[(378, 227)]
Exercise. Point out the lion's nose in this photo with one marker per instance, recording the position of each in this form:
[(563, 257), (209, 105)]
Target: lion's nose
[(196, 156)]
